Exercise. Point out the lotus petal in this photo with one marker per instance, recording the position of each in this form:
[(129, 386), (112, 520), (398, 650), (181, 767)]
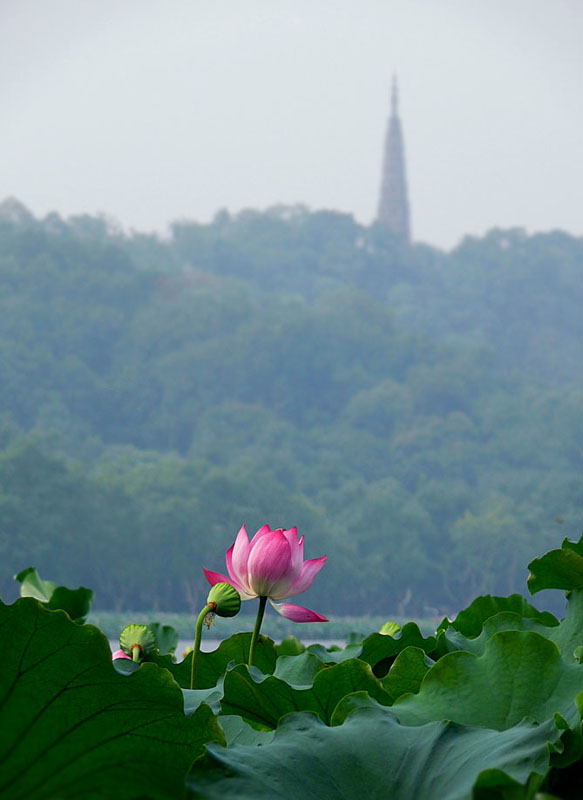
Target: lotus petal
[(297, 613), (305, 579)]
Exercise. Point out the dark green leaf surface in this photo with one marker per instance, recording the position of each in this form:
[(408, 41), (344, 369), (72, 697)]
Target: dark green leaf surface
[(194, 698), (379, 650), (407, 672), (470, 621), (451, 640), (337, 655), (76, 602), (520, 674), (290, 646), (265, 699), (212, 665), (166, 637), (372, 756), (298, 670), (567, 635), (558, 569), (237, 731), (74, 729)]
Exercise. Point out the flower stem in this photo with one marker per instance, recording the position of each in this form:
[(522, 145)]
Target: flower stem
[(196, 647), (258, 621)]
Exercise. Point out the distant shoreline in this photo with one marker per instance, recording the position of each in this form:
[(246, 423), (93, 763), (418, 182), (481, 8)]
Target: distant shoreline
[(274, 626)]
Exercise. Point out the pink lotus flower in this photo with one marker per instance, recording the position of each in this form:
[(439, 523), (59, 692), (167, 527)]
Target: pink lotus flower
[(119, 654), (271, 565)]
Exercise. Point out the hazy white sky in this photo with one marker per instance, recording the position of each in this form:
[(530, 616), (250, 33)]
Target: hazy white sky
[(155, 110)]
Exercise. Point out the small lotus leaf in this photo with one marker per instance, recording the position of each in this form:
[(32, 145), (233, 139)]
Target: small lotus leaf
[(470, 621), (558, 569)]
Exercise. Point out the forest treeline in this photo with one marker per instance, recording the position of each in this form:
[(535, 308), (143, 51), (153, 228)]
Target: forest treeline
[(418, 414)]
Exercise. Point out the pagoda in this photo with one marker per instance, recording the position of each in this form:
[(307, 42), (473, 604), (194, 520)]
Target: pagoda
[(393, 210)]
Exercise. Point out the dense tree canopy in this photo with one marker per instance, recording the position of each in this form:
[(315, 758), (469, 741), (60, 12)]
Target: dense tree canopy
[(418, 414)]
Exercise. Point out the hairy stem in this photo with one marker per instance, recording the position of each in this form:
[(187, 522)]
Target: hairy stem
[(196, 647)]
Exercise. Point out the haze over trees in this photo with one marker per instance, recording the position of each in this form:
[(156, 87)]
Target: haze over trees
[(418, 414)]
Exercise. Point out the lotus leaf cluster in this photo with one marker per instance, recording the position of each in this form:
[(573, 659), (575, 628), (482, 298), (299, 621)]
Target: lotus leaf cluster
[(488, 706)]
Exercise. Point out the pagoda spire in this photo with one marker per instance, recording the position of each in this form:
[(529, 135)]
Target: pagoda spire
[(393, 210)]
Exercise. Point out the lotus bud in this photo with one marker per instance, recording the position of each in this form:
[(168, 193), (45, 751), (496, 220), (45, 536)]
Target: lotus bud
[(137, 641), (224, 600)]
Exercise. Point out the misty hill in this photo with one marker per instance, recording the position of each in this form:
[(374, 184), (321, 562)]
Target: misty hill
[(418, 414)]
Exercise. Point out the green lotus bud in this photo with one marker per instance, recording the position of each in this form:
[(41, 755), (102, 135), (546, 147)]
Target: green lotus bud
[(224, 600), (136, 641)]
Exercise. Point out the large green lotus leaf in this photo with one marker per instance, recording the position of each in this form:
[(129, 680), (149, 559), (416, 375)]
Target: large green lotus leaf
[(380, 650), (567, 635), (74, 729), (372, 756), (76, 602), (558, 569), (407, 672), (451, 640), (470, 621), (214, 664), (520, 674), (565, 751), (265, 699), (298, 670)]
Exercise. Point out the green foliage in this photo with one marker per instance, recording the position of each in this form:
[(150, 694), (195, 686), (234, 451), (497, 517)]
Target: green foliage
[(566, 635), (416, 413), (265, 699), (379, 650), (558, 569), (166, 638), (213, 665), (407, 672), (372, 754), (488, 708), (76, 602), (73, 728), (470, 621), (530, 677)]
